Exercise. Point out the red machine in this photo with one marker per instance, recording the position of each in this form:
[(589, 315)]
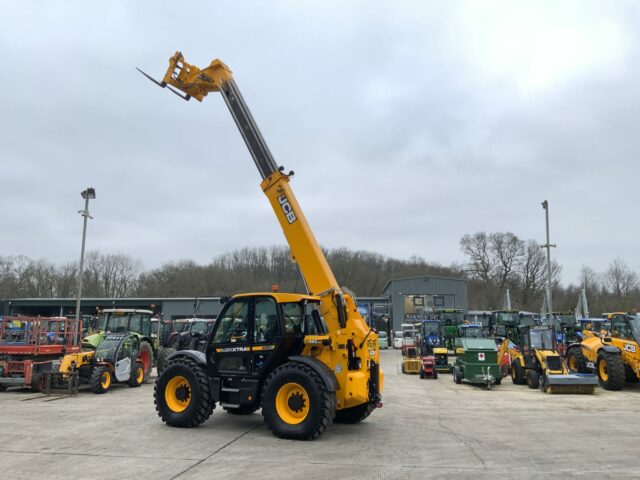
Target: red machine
[(29, 346), (429, 367)]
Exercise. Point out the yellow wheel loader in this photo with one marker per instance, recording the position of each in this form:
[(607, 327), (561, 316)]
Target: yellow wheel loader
[(613, 353), (305, 360), (537, 363)]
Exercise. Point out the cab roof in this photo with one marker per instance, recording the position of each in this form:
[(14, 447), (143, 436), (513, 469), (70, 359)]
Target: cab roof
[(282, 297)]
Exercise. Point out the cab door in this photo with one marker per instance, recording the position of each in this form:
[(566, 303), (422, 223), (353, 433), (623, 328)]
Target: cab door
[(229, 350), (124, 359), (267, 336)]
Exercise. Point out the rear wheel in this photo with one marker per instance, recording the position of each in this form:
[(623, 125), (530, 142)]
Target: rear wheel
[(576, 361), (146, 358), (610, 371), (354, 414), (422, 373), (533, 379), (3, 387), (182, 394), (137, 375), (163, 357), (517, 373), (630, 375), (296, 403), (100, 380)]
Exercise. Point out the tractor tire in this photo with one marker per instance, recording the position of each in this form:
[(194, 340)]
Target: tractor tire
[(100, 380), (422, 373), (296, 403), (517, 374), (630, 375), (3, 387), (163, 356), (37, 382), (544, 383), (435, 374), (533, 379), (182, 394), (146, 358), (610, 370), (354, 414), (243, 410), (498, 381), (576, 361), (137, 375)]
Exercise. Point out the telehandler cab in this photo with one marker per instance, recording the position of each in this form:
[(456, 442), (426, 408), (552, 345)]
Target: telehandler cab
[(272, 350)]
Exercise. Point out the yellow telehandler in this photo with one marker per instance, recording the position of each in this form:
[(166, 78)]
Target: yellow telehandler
[(306, 360)]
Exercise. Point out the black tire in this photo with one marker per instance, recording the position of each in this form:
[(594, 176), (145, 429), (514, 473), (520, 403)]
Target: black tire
[(457, 374), (612, 364), (320, 411), (37, 382), (137, 375), (435, 374), (533, 379), (3, 387), (354, 414), (243, 410), (196, 389), (146, 357), (498, 381), (163, 356), (422, 376), (517, 373), (576, 361), (100, 380)]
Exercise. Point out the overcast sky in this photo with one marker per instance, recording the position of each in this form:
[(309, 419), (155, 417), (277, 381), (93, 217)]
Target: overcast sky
[(408, 124)]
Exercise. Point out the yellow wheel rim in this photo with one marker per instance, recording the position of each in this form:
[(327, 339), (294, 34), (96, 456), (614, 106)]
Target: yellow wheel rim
[(603, 370), (177, 394), (292, 403), (105, 380), (573, 364), (513, 372), (140, 375)]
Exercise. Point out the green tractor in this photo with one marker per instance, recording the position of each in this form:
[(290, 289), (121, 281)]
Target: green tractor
[(450, 318), (124, 320)]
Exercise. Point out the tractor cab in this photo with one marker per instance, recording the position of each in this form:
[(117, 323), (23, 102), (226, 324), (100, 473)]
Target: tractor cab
[(470, 330), (119, 351), (450, 318), (254, 334), (626, 327), (590, 327), (433, 349), (506, 324)]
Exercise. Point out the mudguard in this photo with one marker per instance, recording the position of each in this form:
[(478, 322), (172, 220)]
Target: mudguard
[(609, 349), (197, 356), (321, 369)]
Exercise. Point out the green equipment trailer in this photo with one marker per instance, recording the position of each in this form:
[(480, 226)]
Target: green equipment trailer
[(477, 362)]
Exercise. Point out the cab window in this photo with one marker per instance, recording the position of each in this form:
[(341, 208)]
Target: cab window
[(293, 317), (233, 325), (266, 325)]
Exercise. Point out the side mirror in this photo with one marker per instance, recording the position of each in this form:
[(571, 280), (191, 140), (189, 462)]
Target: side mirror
[(224, 299)]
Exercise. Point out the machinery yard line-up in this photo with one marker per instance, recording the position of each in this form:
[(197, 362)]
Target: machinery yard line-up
[(306, 360)]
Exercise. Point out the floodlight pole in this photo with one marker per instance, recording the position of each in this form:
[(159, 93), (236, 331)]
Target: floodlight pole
[(548, 245), (86, 194)]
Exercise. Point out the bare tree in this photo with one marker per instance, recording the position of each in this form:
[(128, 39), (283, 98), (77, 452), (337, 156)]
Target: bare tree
[(507, 250), (481, 263), (619, 279)]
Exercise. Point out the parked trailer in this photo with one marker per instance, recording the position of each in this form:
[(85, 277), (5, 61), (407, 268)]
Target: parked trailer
[(29, 347)]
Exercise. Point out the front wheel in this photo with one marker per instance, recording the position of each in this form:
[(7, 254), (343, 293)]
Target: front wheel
[(182, 394), (296, 402), (576, 361), (100, 380), (533, 379), (137, 375), (517, 373), (610, 371)]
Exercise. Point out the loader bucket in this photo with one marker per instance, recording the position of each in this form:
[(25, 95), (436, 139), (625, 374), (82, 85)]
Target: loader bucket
[(574, 383)]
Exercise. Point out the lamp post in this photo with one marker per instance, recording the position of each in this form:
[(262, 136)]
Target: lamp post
[(89, 193), (548, 245)]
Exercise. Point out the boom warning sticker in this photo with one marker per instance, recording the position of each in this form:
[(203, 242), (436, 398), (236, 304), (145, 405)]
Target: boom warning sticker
[(481, 356)]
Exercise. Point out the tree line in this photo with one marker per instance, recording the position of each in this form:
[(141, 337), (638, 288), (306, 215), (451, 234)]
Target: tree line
[(492, 263)]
